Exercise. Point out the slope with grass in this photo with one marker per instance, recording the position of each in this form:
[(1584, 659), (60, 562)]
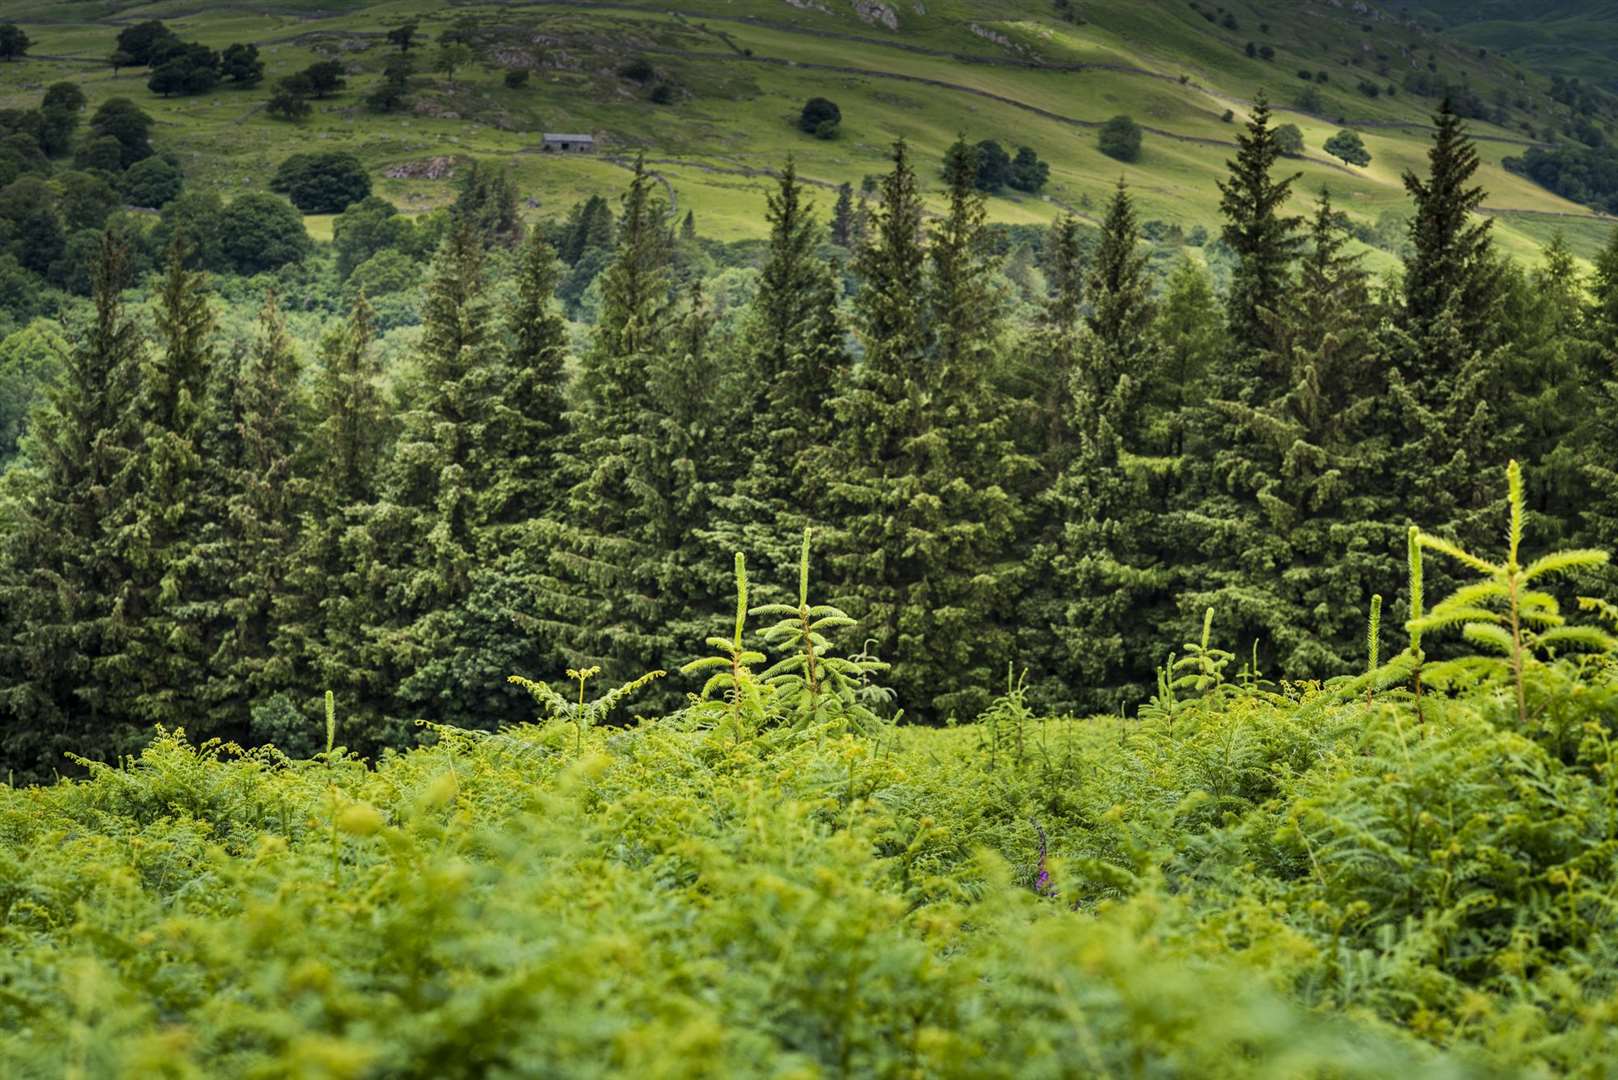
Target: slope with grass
[(739, 71)]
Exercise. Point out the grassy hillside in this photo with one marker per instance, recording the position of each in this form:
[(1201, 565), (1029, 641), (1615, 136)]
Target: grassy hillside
[(1577, 38), (1007, 70)]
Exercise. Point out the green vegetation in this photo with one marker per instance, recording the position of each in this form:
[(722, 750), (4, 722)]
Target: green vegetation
[(1369, 878), (1120, 138), (1012, 609), (1349, 147)]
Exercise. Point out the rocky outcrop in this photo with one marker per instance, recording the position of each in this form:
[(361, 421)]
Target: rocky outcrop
[(876, 13)]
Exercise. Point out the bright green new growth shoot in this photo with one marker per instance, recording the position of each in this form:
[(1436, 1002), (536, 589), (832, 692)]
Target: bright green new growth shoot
[(812, 686), (582, 714), (1373, 643), (1503, 612), (734, 675), (331, 723)]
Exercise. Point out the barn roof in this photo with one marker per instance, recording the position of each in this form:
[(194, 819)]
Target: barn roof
[(553, 137)]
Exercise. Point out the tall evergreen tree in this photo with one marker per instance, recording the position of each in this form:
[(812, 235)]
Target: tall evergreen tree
[(1452, 274), (842, 218), (160, 648), (1264, 239), (792, 358), (449, 633), (58, 568), (1304, 530), (1448, 376), (1599, 436), (324, 614), (1112, 574), (608, 604), (924, 467), (258, 520)]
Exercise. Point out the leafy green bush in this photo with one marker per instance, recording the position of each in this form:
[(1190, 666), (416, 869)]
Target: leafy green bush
[(325, 183), (1120, 138)]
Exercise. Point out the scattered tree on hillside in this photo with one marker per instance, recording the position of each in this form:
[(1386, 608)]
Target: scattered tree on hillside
[(1289, 140), (404, 36), (451, 57), (324, 183), (14, 43), (820, 117), (288, 102), (1349, 147), (241, 65), (1120, 138)]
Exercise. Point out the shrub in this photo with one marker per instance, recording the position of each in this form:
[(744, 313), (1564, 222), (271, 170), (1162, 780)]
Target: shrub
[(1120, 138), (324, 183), (154, 182), (818, 112), (638, 70), (516, 80)]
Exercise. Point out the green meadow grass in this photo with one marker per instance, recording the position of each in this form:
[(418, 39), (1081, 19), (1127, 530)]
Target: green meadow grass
[(734, 119)]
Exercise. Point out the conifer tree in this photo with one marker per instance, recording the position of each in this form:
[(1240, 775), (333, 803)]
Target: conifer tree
[(874, 479), (1304, 530), (1112, 573), (1548, 375), (1263, 238), (924, 464), (449, 631), (525, 422), (259, 517), (792, 358), (326, 611), (1447, 380), (1452, 274), (1599, 436), (58, 567), (606, 603), (159, 651), (1052, 351), (842, 218)]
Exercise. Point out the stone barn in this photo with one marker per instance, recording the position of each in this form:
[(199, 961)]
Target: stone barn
[(567, 144)]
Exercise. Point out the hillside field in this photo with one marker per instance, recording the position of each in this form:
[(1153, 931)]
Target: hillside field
[(1010, 71)]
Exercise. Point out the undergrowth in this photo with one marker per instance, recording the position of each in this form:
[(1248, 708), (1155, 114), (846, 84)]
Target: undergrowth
[(1409, 871)]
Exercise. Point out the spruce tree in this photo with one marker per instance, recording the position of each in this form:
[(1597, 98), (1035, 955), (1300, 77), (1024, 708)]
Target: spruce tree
[(1549, 373), (1452, 274), (1304, 529), (1447, 381), (924, 466), (606, 603), (460, 466), (59, 570), (874, 476), (791, 362), (1113, 576), (259, 520), (1262, 237), (1599, 435), (842, 218), (329, 605), (159, 652)]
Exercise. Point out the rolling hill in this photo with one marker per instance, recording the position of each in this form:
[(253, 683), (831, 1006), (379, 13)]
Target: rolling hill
[(738, 71)]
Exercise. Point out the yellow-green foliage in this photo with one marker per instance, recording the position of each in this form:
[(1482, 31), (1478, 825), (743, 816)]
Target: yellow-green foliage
[(1254, 883)]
